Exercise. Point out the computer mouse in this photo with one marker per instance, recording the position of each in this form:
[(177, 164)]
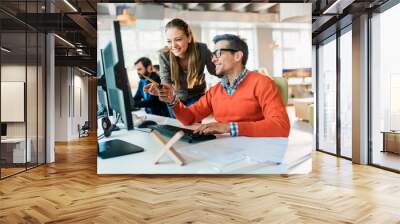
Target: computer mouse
[(146, 124)]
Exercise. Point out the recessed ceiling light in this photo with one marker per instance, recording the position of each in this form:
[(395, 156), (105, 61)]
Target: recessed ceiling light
[(64, 40), (5, 50), (70, 5), (84, 71)]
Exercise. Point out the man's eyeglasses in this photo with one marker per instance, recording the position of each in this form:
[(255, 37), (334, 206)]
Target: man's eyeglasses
[(217, 53)]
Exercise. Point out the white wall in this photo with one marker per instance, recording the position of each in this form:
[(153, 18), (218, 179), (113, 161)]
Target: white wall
[(71, 87), (16, 73), (61, 103), (33, 126)]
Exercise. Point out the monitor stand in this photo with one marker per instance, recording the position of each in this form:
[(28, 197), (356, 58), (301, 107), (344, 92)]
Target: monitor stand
[(116, 147)]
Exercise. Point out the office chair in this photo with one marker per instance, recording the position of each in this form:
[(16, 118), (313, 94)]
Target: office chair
[(84, 130), (283, 87)]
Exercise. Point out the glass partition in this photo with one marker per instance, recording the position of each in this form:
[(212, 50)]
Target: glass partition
[(22, 90), (346, 94), (385, 89), (327, 97), (13, 94)]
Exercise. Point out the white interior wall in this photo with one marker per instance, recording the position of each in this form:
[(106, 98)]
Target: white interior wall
[(69, 82), (33, 127), (12, 73), (61, 103)]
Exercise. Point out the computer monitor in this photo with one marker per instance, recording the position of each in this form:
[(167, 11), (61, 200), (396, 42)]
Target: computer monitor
[(100, 71), (103, 104), (3, 129), (118, 88)]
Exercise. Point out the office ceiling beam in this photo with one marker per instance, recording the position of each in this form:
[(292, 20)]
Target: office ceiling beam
[(84, 24), (320, 23), (215, 6), (257, 7), (240, 7), (49, 22), (81, 61), (191, 5), (337, 7)]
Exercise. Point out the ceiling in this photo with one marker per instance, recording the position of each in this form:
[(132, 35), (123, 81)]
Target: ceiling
[(74, 22), (224, 6), (329, 16), (325, 13)]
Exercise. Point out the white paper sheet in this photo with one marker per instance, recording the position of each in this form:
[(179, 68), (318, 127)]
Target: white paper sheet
[(225, 152)]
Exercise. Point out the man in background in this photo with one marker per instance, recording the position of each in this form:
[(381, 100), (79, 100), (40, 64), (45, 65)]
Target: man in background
[(151, 103), (156, 69)]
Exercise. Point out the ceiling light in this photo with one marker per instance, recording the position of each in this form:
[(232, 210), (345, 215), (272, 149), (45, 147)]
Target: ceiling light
[(70, 5), (5, 50), (84, 71), (338, 6), (65, 41), (125, 18)]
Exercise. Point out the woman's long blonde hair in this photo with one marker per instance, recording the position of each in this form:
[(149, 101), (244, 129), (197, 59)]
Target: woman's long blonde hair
[(193, 77)]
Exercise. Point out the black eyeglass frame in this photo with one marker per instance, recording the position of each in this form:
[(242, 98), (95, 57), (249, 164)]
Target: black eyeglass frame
[(217, 53)]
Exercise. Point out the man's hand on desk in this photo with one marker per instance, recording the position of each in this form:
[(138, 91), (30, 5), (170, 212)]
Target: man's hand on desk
[(213, 128)]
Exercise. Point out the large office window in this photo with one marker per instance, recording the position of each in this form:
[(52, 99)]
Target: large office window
[(247, 33), (288, 53), (346, 94), (327, 97), (385, 84)]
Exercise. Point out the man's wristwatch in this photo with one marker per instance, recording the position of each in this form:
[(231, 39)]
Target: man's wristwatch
[(173, 102)]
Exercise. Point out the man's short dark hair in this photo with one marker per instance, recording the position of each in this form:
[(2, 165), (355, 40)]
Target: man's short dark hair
[(236, 43), (145, 62)]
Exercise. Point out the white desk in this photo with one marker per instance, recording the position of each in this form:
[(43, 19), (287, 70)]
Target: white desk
[(295, 160), (18, 150)]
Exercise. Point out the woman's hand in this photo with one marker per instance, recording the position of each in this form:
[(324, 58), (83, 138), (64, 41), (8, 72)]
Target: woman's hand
[(152, 89), (213, 128), (166, 93)]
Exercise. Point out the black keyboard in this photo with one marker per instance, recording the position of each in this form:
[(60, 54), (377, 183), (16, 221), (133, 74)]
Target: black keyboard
[(169, 131)]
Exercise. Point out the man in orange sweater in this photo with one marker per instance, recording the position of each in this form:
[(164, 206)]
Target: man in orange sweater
[(244, 103)]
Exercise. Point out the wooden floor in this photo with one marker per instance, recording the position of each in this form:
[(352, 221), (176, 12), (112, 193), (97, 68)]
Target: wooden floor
[(70, 191)]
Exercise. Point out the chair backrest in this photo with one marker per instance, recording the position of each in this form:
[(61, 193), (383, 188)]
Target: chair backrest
[(86, 125), (282, 85)]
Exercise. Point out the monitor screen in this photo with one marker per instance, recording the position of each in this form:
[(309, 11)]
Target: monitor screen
[(118, 88), (103, 104)]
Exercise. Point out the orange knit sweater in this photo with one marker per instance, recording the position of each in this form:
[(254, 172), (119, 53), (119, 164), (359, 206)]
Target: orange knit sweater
[(255, 105)]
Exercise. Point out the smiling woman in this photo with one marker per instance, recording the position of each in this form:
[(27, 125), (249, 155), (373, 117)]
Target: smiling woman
[(182, 62)]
